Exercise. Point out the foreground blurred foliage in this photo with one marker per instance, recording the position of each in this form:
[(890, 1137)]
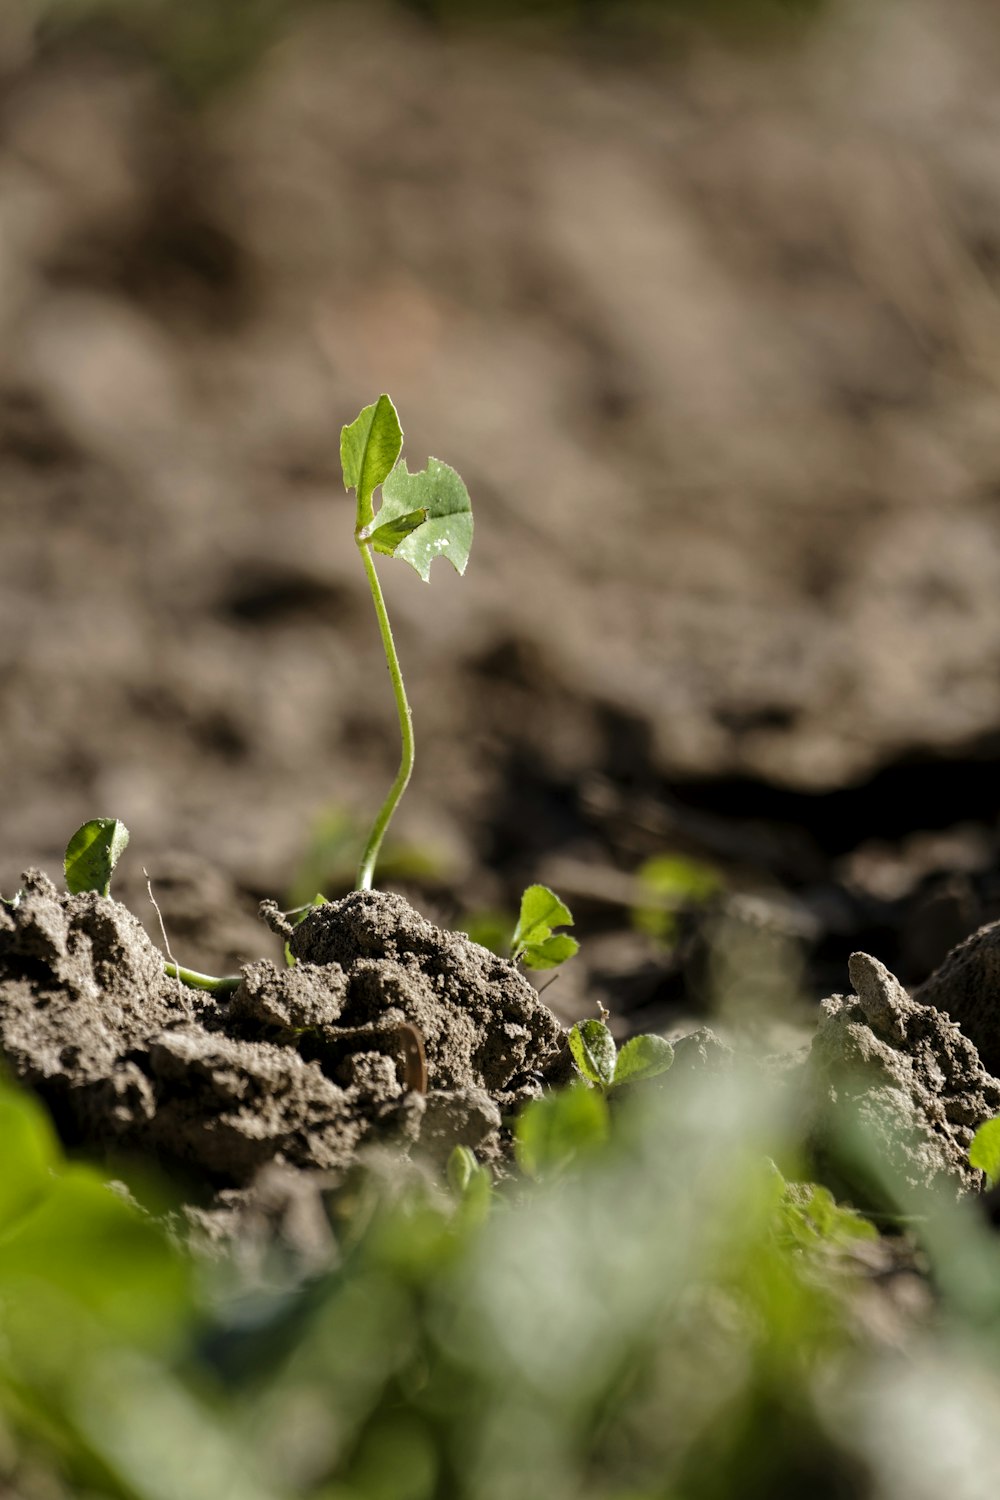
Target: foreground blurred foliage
[(658, 1314)]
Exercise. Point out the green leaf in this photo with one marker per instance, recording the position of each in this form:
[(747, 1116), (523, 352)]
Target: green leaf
[(984, 1152), (550, 954), (29, 1154), (533, 941), (386, 539), (369, 447), (642, 1057), (447, 529), (462, 1165), (551, 1133), (92, 853), (667, 883), (471, 1184), (594, 1052)]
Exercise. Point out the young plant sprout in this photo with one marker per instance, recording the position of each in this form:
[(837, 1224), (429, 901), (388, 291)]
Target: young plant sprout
[(422, 516)]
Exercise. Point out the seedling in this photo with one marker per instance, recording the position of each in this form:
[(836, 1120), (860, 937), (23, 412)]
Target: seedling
[(601, 1064), (422, 516), (534, 943)]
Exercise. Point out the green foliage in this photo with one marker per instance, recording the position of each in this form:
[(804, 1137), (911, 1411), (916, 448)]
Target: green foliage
[(92, 853), (808, 1215), (668, 883), (369, 447), (984, 1151), (599, 1061), (594, 1052), (424, 516), (651, 1310), (642, 1057), (557, 1130), (534, 944)]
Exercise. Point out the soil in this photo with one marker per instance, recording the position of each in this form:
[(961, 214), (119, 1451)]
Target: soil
[(386, 1029)]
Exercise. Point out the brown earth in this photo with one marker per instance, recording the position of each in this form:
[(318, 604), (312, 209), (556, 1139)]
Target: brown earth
[(711, 333), (387, 1030)]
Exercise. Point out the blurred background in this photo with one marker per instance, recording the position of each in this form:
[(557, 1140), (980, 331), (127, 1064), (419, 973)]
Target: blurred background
[(700, 300)]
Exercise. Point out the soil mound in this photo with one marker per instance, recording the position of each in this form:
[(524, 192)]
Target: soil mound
[(906, 1072), (386, 1028)]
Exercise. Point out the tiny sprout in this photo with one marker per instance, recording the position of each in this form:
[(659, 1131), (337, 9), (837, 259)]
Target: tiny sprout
[(422, 516), (601, 1063), (534, 943)]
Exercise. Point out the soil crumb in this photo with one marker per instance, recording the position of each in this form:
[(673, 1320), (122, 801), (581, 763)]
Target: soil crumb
[(906, 1072), (386, 1030)]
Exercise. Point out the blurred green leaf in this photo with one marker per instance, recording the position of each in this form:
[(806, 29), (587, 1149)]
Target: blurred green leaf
[(29, 1153), (553, 1132), (984, 1151), (667, 884), (92, 853)]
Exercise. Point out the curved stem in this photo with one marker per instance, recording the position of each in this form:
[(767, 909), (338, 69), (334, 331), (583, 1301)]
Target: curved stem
[(204, 981), (366, 869)]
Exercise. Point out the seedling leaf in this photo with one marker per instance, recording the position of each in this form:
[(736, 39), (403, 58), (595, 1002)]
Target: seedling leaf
[(447, 528), (533, 941), (386, 539), (369, 447), (984, 1152), (642, 1057), (594, 1052), (550, 954), (92, 853), (552, 1132)]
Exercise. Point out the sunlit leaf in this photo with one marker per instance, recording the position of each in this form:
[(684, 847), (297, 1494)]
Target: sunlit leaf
[(92, 853), (594, 1052), (447, 528), (369, 446), (642, 1057), (533, 942)]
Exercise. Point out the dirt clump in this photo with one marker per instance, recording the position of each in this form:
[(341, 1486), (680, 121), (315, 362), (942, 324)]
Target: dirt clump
[(906, 1073), (967, 986), (386, 1029)]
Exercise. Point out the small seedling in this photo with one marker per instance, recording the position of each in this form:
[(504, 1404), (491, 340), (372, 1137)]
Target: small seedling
[(422, 516), (534, 943), (599, 1061)]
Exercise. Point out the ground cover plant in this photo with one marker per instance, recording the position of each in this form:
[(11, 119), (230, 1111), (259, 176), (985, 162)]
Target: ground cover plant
[(374, 1225)]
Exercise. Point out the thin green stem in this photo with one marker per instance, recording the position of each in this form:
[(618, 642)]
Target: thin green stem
[(366, 869), (204, 981)]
